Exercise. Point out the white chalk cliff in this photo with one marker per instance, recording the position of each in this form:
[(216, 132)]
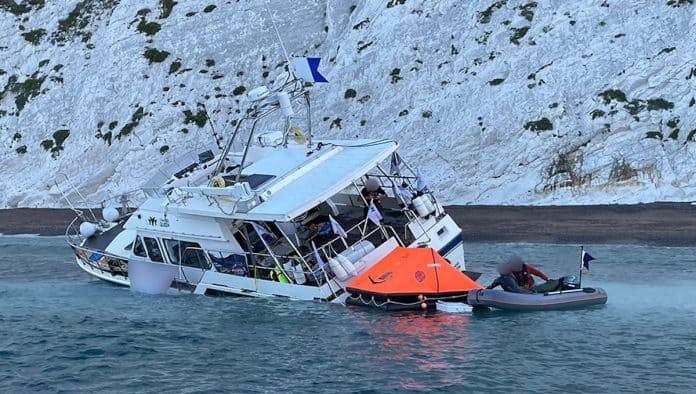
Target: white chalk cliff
[(498, 102)]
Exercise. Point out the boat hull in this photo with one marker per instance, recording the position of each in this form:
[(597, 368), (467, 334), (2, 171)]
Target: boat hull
[(101, 273), (506, 300), (149, 277)]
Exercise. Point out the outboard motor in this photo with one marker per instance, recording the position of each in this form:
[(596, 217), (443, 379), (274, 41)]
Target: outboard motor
[(570, 282)]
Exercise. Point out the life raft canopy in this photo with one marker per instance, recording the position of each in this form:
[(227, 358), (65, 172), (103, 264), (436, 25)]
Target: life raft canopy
[(412, 272)]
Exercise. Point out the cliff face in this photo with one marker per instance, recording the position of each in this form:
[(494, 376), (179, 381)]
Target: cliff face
[(509, 102)]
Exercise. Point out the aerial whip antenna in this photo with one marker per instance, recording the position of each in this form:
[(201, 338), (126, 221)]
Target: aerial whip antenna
[(210, 123), (280, 40)]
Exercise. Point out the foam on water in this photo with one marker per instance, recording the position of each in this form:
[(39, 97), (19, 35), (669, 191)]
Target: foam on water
[(65, 331)]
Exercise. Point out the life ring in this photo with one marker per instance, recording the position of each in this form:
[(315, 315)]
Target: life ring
[(217, 181), (298, 135)]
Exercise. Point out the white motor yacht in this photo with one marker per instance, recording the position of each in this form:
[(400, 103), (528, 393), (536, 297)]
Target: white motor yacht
[(273, 213)]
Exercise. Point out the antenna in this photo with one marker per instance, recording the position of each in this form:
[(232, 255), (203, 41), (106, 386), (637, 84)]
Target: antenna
[(210, 122), (280, 40)]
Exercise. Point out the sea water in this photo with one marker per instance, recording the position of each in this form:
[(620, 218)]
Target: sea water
[(61, 330)]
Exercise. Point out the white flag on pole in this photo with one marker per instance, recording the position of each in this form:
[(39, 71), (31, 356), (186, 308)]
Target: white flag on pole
[(395, 163), (373, 213), (404, 193), (421, 184), (317, 256), (337, 228), (262, 232)]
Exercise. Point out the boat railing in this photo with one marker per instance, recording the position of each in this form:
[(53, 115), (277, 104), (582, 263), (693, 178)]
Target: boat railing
[(73, 190), (100, 260), (72, 233), (259, 111), (406, 204), (128, 201), (257, 265), (338, 244), (261, 265), (154, 186)]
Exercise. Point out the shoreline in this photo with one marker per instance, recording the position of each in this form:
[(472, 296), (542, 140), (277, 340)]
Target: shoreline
[(665, 224)]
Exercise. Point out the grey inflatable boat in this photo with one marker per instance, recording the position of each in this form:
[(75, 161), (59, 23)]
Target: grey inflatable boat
[(566, 299)]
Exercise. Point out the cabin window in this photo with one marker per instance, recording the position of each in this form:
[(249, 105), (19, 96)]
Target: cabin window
[(174, 250), (139, 248), (186, 253), (194, 257), (243, 243), (153, 249)]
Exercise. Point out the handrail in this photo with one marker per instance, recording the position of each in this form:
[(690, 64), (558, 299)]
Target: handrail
[(127, 197), (104, 253), (68, 236), (328, 245), (86, 202)]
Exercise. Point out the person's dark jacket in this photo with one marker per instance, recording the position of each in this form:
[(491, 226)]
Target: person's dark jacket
[(509, 283), (524, 275)]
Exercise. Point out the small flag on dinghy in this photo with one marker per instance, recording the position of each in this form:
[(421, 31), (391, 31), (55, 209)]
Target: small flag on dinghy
[(373, 213), (586, 258), (337, 228), (307, 68)]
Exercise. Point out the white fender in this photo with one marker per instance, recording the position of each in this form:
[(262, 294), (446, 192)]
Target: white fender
[(87, 229), (358, 250), (427, 199), (337, 269), (420, 206), (347, 265), (110, 214), (299, 275)]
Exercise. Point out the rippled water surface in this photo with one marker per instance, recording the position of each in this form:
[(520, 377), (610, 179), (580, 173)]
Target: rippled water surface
[(61, 330)]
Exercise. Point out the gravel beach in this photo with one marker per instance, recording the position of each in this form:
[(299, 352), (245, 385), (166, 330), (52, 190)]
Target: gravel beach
[(668, 224)]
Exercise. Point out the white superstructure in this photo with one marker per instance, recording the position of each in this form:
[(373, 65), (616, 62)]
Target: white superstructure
[(261, 216)]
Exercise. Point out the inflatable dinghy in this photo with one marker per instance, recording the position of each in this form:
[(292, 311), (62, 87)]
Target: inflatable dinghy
[(409, 278), (566, 299)]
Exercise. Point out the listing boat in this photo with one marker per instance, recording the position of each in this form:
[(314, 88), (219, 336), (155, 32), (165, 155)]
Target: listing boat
[(562, 299), (269, 214)]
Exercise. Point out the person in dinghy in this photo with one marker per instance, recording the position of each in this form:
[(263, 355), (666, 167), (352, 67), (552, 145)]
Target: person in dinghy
[(516, 276)]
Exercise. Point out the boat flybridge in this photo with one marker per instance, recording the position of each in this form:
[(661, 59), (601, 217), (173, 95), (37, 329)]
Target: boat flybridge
[(271, 213)]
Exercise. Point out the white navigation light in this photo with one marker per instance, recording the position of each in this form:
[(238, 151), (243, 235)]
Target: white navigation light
[(110, 214), (285, 105), (258, 94)]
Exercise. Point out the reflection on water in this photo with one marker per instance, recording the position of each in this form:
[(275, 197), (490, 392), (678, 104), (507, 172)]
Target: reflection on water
[(65, 331), (419, 342)]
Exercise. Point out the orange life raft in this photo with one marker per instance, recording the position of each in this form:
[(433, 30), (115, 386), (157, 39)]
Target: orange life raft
[(409, 278)]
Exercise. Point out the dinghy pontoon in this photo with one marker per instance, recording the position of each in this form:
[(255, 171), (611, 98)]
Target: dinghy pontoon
[(567, 299)]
